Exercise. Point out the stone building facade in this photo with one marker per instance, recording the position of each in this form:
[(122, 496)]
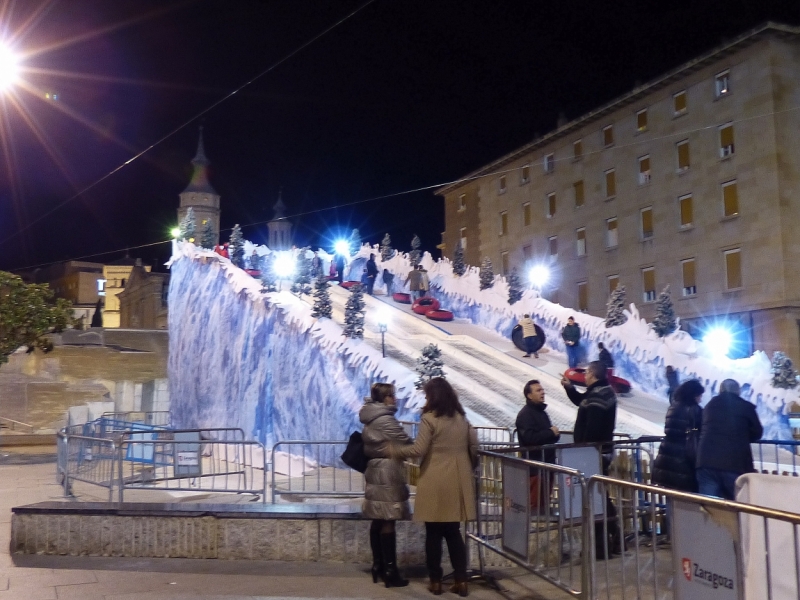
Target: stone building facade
[(143, 302), (691, 180)]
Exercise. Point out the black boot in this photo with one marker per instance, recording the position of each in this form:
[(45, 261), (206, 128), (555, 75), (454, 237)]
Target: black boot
[(377, 555), (391, 576)]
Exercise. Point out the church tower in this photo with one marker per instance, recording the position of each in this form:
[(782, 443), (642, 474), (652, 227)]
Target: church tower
[(199, 195), (280, 228)]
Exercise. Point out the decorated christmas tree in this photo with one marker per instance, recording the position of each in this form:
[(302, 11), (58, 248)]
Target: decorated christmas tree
[(354, 313), (269, 280), (386, 248), (615, 307), (665, 321), (236, 247), (514, 287), (783, 372), (302, 273), (322, 299), (415, 255), (354, 243), (459, 268), (208, 238), (429, 365), (188, 226), (487, 274)]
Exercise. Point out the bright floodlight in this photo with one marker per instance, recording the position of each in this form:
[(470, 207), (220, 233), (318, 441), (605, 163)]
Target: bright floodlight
[(539, 275), (342, 247), (9, 67), (175, 232), (718, 340), (284, 266)]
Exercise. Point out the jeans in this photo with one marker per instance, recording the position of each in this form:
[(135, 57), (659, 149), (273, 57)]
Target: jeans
[(529, 344), (714, 482), (370, 284), (434, 532), (572, 355)]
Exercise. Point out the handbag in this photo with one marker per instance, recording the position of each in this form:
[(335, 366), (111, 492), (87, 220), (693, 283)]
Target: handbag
[(692, 442), (353, 456)]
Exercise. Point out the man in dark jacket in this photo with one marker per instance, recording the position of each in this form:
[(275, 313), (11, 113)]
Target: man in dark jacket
[(535, 429), (605, 358), (571, 334), (730, 425), (597, 409), (372, 273)]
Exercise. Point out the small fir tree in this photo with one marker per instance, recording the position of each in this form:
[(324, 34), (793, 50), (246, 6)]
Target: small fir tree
[(665, 321), (269, 280), (236, 247), (487, 274), (783, 372), (615, 307), (255, 261), (354, 243), (429, 365), (415, 255), (208, 237), (514, 287), (322, 299), (302, 273), (188, 226), (354, 313), (459, 268), (386, 248)]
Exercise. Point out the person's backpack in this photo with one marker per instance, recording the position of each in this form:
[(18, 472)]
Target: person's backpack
[(353, 456)]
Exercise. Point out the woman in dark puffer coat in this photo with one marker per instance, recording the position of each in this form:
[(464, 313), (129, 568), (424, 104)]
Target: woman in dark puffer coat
[(386, 492), (672, 468)]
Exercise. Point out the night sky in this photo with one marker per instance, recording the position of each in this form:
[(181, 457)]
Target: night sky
[(403, 95)]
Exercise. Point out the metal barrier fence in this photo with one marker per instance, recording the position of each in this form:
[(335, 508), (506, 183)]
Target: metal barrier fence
[(487, 435), (777, 457), (303, 468), (86, 459), (158, 418)]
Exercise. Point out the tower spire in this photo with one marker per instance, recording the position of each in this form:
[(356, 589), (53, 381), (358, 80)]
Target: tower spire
[(199, 182), (280, 207)]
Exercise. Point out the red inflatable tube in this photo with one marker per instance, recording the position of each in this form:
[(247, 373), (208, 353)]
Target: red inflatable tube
[(423, 305), (439, 315), (402, 298)]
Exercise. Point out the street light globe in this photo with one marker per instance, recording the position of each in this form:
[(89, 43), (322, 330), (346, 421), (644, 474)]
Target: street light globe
[(384, 317), (175, 232), (284, 266), (539, 275), (718, 340), (342, 247), (9, 67)]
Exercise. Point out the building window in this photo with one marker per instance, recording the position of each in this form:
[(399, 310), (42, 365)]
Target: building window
[(613, 283), (683, 155), (608, 136), (726, 140), (612, 236), (689, 280), (463, 238), (526, 214), (733, 269), (504, 262), (462, 202), (583, 296), (722, 83), (101, 287), (525, 175), (551, 205), (503, 184), (504, 223), (686, 208), (649, 284), (644, 169), (580, 241), (641, 120), (527, 252), (679, 103), (577, 149), (578, 190), (647, 223), (552, 246), (611, 183), (549, 163), (730, 199)]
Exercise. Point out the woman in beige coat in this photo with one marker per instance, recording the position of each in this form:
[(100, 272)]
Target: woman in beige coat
[(448, 446)]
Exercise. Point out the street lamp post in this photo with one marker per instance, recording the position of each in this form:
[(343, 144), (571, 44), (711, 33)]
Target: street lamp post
[(383, 327)]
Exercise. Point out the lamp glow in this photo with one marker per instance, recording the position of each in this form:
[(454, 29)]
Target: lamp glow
[(342, 247), (175, 232), (9, 67), (284, 266), (384, 318), (539, 275), (718, 340)]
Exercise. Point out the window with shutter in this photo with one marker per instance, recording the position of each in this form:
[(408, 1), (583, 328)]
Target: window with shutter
[(583, 296), (613, 283), (504, 223), (689, 281), (552, 244), (726, 147), (683, 155), (730, 199), (644, 169), (733, 269), (526, 213), (647, 223), (504, 262), (551, 205), (686, 210), (502, 185), (578, 190), (608, 135), (649, 284), (525, 176), (577, 149), (641, 120), (611, 183), (612, 237), (580, 239), (679, 104), (722, 83)]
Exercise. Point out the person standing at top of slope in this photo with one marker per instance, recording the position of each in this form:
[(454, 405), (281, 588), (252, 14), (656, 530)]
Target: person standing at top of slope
[(414, 281), (372, 273), (571, 334)]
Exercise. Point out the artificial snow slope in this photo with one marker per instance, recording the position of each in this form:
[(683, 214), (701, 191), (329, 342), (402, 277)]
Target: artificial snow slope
[(488, 381)]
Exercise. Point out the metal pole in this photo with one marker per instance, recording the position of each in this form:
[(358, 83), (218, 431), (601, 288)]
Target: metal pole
[(383, 342)]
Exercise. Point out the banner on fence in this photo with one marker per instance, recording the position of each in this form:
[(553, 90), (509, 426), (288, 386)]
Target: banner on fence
[(585, 459), (516, 508)]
